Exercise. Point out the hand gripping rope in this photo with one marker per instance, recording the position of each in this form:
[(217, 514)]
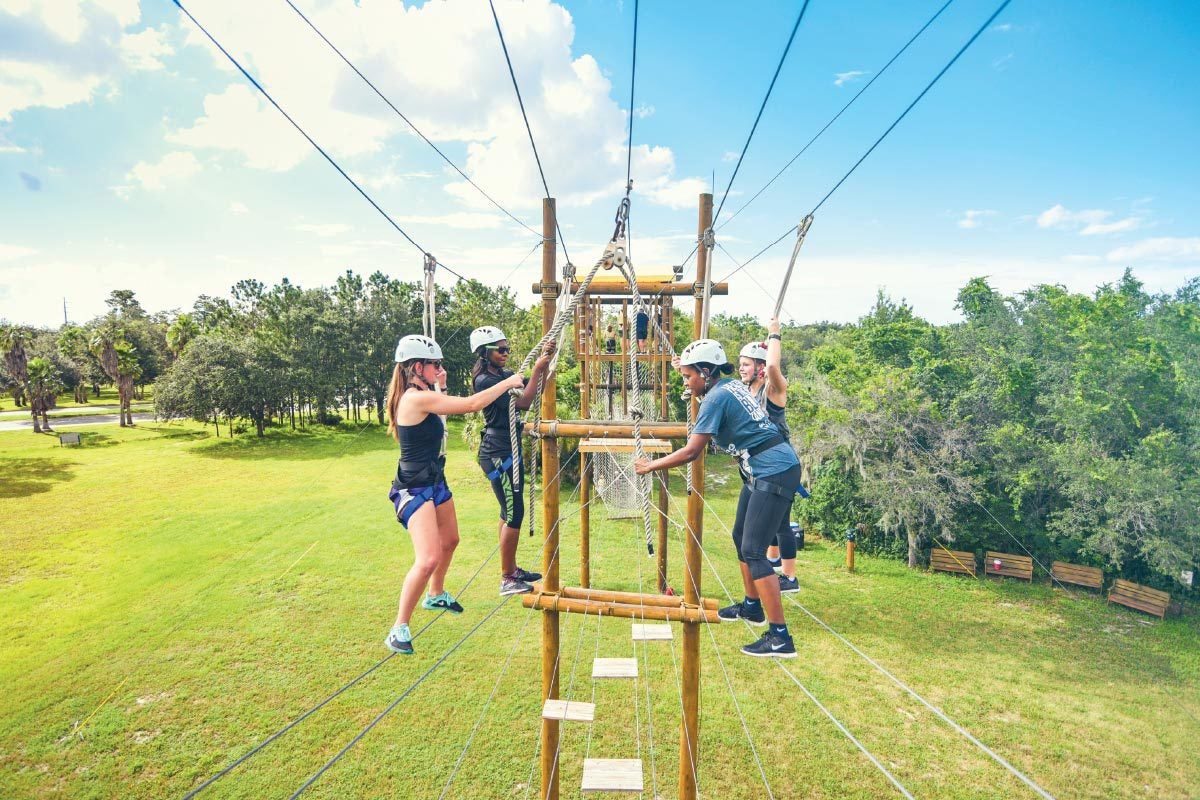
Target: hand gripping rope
[(562, 317)]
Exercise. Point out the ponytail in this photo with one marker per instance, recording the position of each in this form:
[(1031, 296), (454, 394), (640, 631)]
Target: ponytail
[(481, 364), (401, 376)]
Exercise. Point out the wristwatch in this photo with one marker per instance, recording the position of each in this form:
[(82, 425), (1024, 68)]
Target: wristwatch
[(775, 336)]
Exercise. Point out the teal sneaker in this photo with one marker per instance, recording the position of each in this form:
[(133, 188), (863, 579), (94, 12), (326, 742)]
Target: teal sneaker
[(399, 640), (443, 602)]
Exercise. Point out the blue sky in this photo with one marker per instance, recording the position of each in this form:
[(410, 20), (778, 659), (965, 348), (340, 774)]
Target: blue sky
[(1059, 149)]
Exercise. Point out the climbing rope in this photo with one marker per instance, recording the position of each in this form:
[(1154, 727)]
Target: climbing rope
[(429, 304), (801, 232)]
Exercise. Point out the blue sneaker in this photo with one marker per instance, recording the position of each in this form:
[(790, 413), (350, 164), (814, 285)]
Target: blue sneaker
[(399, 640), (443, 602)]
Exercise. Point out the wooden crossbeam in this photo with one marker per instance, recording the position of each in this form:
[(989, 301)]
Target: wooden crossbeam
[(612, 775), (651, 633), (614, 668), (568, 710)]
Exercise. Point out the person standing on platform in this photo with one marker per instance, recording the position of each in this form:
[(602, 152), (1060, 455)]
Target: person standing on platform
[(731, 416), (760, 368), (496, 451), (424, 505)]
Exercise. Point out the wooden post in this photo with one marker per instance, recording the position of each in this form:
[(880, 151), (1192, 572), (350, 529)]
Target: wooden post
[(585, 460), (850, 538), (663, 488), (550, 559), (625, 361), (585, 520), (689, 736)]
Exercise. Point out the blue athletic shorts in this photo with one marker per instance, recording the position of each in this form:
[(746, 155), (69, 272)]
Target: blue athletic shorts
[(409, 499)]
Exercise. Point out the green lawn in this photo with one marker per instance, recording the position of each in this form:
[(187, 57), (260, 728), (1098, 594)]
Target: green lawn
[(183, 597)]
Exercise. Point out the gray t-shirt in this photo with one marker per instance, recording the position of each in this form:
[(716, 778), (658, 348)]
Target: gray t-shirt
[(735, 420)]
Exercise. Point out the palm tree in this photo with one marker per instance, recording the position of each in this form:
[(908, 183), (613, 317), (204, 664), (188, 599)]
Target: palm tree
[(182, 331), (73, 344), (119, 360), (43, 386), (12, 346)]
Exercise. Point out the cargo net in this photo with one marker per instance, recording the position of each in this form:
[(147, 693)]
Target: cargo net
[(612, 471)]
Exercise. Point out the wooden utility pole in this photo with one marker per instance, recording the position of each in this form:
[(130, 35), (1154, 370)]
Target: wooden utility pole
[(550, 559), (689, 737)]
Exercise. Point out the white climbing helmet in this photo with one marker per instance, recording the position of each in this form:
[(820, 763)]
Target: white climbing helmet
[(755, 350), (485, 335), (416, 346), (703, 351)]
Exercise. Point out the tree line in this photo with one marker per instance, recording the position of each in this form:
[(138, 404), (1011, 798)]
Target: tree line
[(1059, 422)]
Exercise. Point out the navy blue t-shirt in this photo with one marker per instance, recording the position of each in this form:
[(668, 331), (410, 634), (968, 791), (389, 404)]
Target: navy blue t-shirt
[(735, 420)]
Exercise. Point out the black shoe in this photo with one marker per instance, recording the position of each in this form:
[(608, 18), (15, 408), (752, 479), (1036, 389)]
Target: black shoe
[(526, 576), (788, 585), (738, 611), (771, 645)]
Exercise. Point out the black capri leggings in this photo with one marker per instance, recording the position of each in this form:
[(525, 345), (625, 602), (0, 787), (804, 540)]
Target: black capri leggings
[(512, 502), (784, 539), (758, 519)]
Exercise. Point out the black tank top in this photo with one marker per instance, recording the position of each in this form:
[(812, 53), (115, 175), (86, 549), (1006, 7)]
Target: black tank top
[(777, 414), (420, 446)]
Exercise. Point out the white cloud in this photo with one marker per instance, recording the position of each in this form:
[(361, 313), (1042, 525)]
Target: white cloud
[(729, 156), (579, 127), (1077, 258), (643, 111), (842, 78), (461, 220), (177, 165), (1003, 27), (1002, 61), (238, 207), (143, 50), (64, 52), (972, 218), (237, 120), (1090, 222), (323, 230), (1164, 248), (8, 147), (8, 252), (677, 194)]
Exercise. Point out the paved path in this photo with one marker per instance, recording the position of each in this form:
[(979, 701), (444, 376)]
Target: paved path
[(57, 412), (70, 422)]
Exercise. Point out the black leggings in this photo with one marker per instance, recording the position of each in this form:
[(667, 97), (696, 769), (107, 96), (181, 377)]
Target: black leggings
[(758, 519), (784, 539), (512, 502)]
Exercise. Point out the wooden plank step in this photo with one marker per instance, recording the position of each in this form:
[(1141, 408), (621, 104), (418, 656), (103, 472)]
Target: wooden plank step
[(607, 445), (614, 668), (612, 775), (651, 633), (573, 711)]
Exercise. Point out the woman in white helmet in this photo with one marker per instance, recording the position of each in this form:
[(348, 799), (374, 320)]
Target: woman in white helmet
[(416, 403), (496, 453), (759, 367), (730, 415)]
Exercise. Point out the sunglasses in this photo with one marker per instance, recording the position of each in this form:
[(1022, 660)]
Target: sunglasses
[(504, 349), (436, 364)]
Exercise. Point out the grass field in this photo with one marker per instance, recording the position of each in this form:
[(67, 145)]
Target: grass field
[(169, 599)]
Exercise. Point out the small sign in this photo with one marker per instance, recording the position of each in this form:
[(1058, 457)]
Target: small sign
[(1186, 577)]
